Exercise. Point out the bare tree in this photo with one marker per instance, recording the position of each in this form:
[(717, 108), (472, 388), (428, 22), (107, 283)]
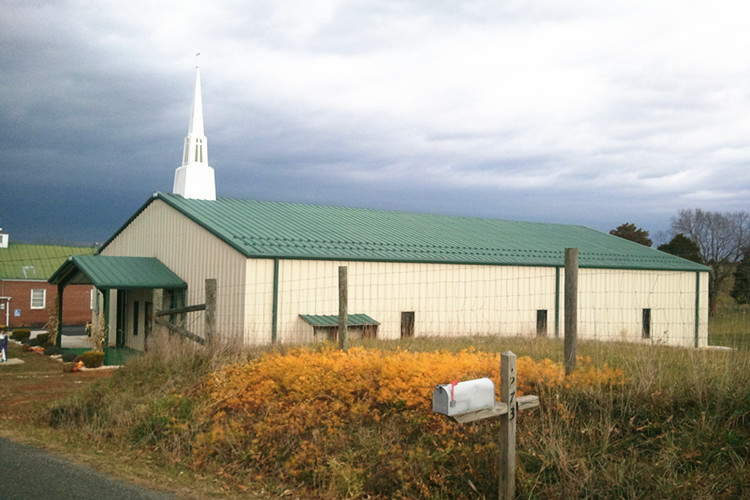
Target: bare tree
[(721, 238)]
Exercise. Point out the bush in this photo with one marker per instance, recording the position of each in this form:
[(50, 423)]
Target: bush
[(69, 357), (42, 338), (310, 417), (20, 334), (92, 359), (51, 350)]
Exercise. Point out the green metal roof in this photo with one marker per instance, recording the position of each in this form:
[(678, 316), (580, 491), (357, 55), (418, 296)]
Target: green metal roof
[(117, 272), (259, 229), (35, 262), (333, 320)]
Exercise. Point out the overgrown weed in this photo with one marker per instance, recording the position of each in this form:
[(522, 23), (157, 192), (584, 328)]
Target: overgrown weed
[(676, 425)]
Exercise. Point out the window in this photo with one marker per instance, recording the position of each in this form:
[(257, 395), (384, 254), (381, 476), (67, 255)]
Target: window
[(646, 321), (38, 298), (541, 322)]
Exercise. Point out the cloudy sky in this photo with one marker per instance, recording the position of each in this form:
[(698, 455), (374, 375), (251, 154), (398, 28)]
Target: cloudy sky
[(581, 112)]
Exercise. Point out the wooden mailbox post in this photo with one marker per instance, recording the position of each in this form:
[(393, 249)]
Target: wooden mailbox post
[(507, 409)]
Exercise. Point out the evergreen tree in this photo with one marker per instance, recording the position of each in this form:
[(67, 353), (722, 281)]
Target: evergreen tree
[(632, 233), (684, 247)]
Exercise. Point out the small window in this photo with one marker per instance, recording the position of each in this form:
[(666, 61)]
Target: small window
[(407, 324), (646, 321), (541, 322), (38, 298)]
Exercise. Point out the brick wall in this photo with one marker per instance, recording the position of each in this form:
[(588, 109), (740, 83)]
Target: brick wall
[(76, 303)]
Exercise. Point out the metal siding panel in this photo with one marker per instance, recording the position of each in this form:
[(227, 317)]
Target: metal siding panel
[(192, 253), (448, 300)]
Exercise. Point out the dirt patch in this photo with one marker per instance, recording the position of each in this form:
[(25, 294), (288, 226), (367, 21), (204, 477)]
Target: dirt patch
[(27, 390)]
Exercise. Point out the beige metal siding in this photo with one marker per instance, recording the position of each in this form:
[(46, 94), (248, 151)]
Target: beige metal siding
[(258, 302), (448, 300), (194, 255), (611, 304), (456, 300)]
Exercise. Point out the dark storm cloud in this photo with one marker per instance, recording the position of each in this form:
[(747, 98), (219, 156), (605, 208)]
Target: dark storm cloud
[(592, 114)]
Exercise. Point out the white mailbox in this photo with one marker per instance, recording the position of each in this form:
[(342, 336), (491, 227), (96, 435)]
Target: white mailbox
[(462, 397)]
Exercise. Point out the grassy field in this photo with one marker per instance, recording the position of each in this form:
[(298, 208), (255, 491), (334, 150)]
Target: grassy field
[(678, 426), (730, 327)]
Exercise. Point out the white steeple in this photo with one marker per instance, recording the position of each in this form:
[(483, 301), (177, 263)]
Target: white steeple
[(195, 179)]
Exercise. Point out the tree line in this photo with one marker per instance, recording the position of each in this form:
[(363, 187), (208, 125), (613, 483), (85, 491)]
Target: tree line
[(719, 240)]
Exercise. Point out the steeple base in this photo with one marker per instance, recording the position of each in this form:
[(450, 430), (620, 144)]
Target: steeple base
[(195, 182)]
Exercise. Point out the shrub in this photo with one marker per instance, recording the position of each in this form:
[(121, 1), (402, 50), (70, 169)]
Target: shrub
[(42, 338), (69, 357), (50, 350), (313, 417), (92, 359), (20, 334)]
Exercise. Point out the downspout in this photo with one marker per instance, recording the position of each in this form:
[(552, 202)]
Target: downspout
[(697, 306), (275, 311)]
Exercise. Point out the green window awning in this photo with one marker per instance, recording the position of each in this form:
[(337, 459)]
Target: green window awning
[(105, 272), (333, 320)]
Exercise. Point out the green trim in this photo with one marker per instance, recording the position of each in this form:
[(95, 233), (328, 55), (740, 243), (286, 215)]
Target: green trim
[(275, 309), (105, 305), (697, 306), (557, 302)]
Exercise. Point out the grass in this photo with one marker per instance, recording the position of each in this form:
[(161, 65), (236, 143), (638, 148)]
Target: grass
[(679, 427), (730, 327)]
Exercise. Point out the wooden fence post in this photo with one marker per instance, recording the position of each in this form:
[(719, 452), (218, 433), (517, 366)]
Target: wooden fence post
[(343, 334), (571, 309), (210, 315), (507, 476)]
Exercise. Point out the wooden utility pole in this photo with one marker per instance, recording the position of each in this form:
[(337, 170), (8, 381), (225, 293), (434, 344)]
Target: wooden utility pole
[(571, 309), (210, 315), (343, 334)]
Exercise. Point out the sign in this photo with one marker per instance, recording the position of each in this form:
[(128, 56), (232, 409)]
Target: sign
[(17, 313)]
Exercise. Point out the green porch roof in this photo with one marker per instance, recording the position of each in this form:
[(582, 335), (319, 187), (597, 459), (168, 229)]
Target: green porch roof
[(259, 229), (117, 273), (333, 320), (35, 262)]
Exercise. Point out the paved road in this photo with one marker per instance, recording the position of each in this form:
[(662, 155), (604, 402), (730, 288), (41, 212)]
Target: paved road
[(32, 473)]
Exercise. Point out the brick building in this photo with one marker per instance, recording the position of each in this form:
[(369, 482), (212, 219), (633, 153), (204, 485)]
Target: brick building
[(25, 295)]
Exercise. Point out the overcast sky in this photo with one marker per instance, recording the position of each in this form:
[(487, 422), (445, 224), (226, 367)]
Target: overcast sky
[(580, 112)]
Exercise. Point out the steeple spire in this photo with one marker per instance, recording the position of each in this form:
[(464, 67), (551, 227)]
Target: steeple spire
[(195, 179)]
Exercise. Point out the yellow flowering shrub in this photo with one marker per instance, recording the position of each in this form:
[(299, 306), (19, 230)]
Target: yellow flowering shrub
[(361, 422)]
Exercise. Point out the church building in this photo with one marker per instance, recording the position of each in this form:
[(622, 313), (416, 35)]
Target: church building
[(409, 274)]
